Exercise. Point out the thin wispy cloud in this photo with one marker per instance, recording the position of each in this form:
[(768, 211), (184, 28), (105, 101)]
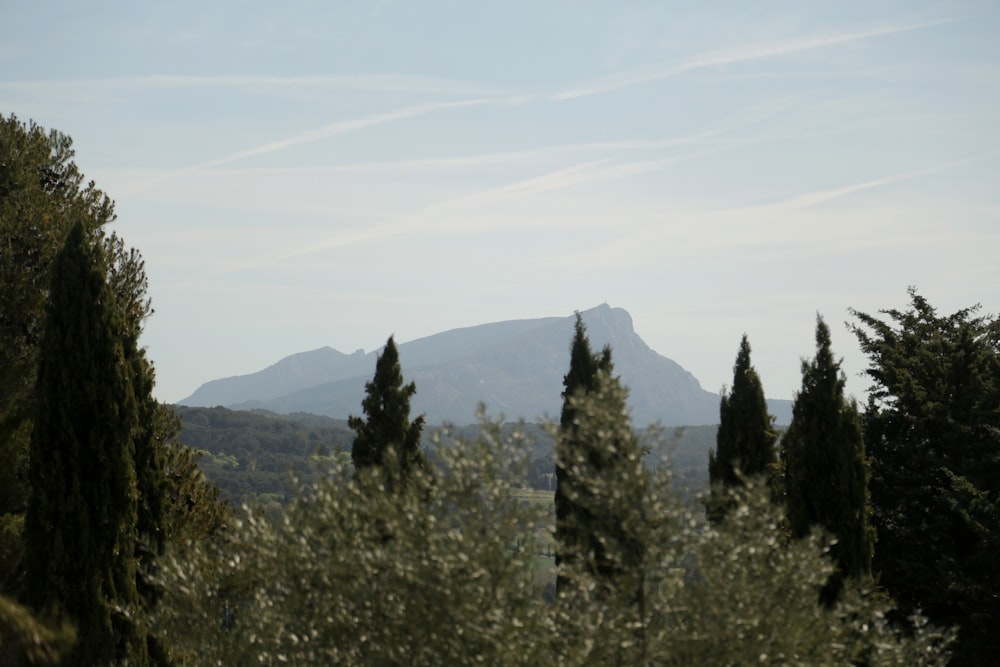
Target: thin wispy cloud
[(791, 227), (312, 136), (488, 209), (607, 150), (568, 177), (531, 155), (816, 198), (338, 128), (370, 82), (451, 216), (741, 54)]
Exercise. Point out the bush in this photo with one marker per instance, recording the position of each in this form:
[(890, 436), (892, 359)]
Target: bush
[(430, 575)]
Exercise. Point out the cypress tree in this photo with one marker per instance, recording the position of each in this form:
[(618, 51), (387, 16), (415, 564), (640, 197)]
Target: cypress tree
[(150, 447), (82, 512), (746, 436), (599, 475), (42, 195), (826, 476), (387, 427)]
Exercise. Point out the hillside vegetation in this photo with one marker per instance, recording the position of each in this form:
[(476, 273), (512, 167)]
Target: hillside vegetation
[(259, 457)]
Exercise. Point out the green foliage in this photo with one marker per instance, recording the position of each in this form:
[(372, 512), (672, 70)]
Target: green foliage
[(249, 454), (747, 595), (746, 435), (826, 476), (577, 459), (433, 576), (584, 367), (386, 429), (90, 511), (83, 510), (599, 542), (932, 426), (42, 196), (423, 576), (188, 508), (598, 474), (193, 509), (261, 448), (13, 498)]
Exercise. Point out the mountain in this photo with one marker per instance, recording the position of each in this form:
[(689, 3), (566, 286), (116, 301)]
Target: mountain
[(295, 372), (514, 367)]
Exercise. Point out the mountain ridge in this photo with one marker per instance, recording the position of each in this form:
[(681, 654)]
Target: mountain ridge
[(514, 367)]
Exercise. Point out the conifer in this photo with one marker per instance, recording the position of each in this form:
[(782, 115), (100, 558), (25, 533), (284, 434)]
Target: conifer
[(42, 195), (932, 430), (599, 474), (826, 475), (82, 512), (386, 435), (746, 436)]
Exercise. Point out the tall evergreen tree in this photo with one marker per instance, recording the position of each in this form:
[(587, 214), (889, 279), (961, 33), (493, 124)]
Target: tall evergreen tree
[(42, 195), (83, 505), (599, 475), (932, 427), (826, 476), (387, 427), (746, 436)]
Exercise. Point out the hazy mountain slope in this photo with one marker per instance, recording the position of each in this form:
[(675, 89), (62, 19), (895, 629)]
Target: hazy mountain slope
[(292, 373), (514, 367), (325, 365)]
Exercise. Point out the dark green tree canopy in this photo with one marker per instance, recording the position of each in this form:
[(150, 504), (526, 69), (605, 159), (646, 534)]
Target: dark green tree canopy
[(571, 517), (932, 426), (746, 435), (387, 427), (584, 367), (826, 478), (42, 196), (83, 504)]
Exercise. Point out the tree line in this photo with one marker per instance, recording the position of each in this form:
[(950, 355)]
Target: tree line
[(857, 537), (909, 484)]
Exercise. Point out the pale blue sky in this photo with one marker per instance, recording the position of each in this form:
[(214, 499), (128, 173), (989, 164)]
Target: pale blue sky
[(303, 174)]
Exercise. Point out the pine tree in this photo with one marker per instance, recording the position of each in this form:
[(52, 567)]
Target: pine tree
[(386, 435), (83, 505), (826, 476), (932, 428), (599, 475), (746, 436)]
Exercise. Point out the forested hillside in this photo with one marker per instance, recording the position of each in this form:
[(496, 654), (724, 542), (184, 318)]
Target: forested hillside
[(258, 457)]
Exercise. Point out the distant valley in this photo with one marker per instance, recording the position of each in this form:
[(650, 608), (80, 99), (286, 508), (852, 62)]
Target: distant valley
[(514, 368)]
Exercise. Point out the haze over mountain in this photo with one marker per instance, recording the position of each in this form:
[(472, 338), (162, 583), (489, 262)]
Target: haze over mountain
[(514, 367)]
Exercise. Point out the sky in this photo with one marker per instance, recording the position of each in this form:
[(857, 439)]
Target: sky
[(309, 174)]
